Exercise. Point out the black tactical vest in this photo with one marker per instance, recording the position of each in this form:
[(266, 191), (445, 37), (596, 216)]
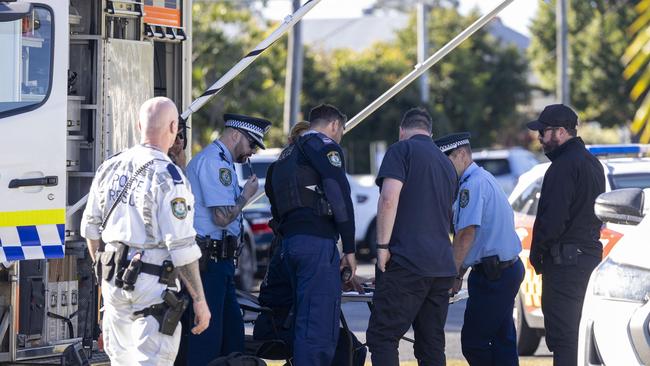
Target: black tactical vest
[(297, 185)]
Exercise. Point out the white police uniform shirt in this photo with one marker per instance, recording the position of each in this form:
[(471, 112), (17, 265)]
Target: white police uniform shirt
[(156, 212), (481, 202), (154, 218), (214, 183)]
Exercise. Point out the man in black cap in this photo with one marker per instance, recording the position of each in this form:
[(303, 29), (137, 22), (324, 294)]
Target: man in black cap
[(218, 222), (485, 240), (415, 265), (565, 246)]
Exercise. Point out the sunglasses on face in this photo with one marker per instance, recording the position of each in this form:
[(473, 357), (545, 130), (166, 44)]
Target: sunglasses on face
[(251, 143), (543, 132)]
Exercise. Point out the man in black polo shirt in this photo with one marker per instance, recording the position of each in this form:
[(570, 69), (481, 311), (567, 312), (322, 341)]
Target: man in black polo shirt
[(414, 258)]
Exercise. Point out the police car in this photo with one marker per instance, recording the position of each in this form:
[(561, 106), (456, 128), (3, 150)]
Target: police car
[(614, 326), (506, 165), (625, 167)]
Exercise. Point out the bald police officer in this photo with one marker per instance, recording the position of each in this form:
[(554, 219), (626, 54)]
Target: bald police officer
[(139, 205), (218, 223), (485, 240)]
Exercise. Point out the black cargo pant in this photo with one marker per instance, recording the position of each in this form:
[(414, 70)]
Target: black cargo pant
[(401, 299), (563, 292)]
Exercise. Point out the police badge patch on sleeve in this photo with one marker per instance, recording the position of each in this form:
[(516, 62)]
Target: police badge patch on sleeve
[(334, 158), (464, 198), (225, 176), (179, 208)]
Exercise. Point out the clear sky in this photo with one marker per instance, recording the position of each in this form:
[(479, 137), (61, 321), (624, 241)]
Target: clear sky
[(517, 15)]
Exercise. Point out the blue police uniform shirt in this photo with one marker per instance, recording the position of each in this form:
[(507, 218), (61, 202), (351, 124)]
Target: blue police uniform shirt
[(214, 183), (481, 202), (420, 237)]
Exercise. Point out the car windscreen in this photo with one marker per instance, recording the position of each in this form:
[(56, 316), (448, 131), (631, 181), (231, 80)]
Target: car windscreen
[(495, 166), (637, 180), (259, 169)]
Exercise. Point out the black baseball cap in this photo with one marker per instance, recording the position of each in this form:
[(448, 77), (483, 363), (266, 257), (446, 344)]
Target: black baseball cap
[(554, 115)]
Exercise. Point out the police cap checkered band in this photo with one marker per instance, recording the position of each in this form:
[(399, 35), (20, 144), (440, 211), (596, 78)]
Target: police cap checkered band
[(453, 141), (254, 127)]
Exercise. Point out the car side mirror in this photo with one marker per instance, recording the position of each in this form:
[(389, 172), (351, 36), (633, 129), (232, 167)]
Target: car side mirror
[(11, 10), (622, 206)]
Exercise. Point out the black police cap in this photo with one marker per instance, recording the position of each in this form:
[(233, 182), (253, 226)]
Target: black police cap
[(254, 127), (452, 141), (554, 115)]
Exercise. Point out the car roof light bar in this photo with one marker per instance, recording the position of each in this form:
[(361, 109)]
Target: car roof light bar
[(622, 149)]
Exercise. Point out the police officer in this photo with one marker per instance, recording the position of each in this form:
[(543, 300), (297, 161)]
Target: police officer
[(414, 257), (485, 240), (275, 290), (565, 246), (139, 205), (311, 195), (218, 223)]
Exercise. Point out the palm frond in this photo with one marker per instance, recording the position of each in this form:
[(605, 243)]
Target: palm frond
[(636, 59)]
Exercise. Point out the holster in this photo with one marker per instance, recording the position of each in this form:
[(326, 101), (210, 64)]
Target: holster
[(105, 266), (167, 313), (121, 254), (490, 267), (126, 273), (217, 249), (564, 254)]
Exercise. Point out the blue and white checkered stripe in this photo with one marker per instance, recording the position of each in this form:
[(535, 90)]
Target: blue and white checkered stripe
[(32, 242), (245, 126)]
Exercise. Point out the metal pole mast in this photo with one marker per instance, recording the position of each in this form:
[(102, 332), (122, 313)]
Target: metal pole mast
[(293, 82), (423, 47), (562, 84)]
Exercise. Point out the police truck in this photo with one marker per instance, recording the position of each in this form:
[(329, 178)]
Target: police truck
[(73, 75)]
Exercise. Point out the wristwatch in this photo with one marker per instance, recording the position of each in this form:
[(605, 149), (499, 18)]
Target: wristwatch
[(382, 246)]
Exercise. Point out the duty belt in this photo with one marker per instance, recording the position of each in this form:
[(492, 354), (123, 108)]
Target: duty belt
[(218, 249), (115, 264), (502, 265), (492, 267)]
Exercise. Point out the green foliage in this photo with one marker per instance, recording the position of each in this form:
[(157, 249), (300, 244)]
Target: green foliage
[(636, 58), (477, 88), (222, 34), (597, 40)]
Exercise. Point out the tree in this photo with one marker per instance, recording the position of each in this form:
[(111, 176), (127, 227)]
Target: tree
[(637, 70), (223, 33), (477, 88), (596, 42)]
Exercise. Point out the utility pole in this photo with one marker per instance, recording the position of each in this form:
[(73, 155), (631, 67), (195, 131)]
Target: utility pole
[(293, 81), (562, 84), (423, 47)]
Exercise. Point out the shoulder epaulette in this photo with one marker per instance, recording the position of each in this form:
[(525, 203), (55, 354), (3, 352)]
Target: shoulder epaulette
[(176, 175)]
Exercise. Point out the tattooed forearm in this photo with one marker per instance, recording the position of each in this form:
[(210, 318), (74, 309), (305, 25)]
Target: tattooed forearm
[(224, 215), (191, 278)]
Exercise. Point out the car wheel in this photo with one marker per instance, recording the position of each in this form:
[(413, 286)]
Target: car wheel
[(527, 338), (244, 279)]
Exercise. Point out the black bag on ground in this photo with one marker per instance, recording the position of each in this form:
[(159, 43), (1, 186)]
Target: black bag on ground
[(343, 349), (237, 359)]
